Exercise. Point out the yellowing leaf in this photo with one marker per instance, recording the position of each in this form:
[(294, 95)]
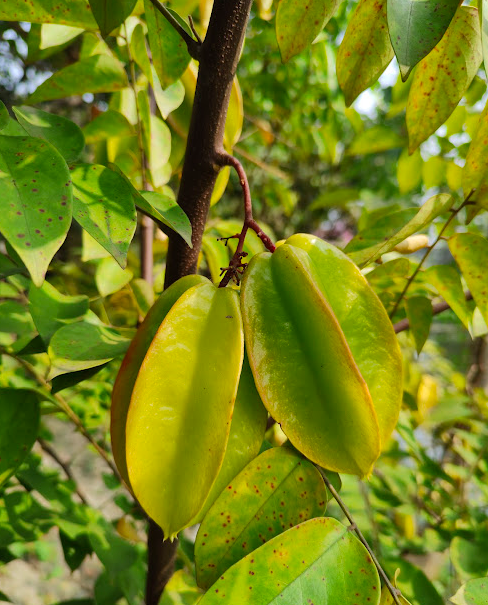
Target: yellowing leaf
[(409, 171), (298, 23), (475, 173), (442, 78), (365, 50)]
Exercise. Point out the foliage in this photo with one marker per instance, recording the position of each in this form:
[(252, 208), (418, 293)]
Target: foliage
[(336, 144)]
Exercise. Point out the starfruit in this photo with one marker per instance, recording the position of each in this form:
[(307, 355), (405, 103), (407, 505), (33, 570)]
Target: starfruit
[(181, 406), (317, 339), (132, 361)]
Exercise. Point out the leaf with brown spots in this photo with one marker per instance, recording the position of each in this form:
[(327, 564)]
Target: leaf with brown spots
[(475, 171), (366, 49), (416, 27), (276, 491), (471, 253), (19, 423), (67, 12), (104, 206), (317, 562), (36, 201), (474, 592), (442, 78), (299, 22)]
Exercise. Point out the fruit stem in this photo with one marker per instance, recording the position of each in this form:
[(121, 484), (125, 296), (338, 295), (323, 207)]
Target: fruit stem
[(236, 267)]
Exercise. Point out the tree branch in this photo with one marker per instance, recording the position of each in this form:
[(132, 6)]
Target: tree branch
[(218, 56), (192, 45), (404, 324)]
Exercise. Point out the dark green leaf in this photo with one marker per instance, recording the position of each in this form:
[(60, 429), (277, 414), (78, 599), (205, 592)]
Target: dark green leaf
[(413, 583), (63, 134), (470, 557), (75, 550), (277, 490), (36, 198), (19, 423), (419, 313), (447, 281), (66, 381), (4, 116), (103, 205), (109, 14), (83, 345), (51, 310), (416, 27), (98, 73)]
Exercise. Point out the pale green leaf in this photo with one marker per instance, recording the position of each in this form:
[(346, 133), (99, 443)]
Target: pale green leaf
[(167, 210), (409, 171), (365, 51), (469, 557), (447, 281), (416, 27), (471, 253), (36, 201), (433, 172), (110, 277), (443, 77), (419, 313), (484, 31), (108, 124), (98, 73), (475, 172), (62, 133), (375, 140), (104, 206), (298, 23), (474, 592)]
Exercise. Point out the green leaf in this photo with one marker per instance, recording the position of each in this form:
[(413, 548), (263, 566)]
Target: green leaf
[(277, 490), (362, 254), (419, 313), (63, 134), (67, 12), (66, 381), (434, 172), (110, 278), (338, 197), (474, 592), (319, 561), (104, 206), (375, 140), (169, 51), (84, 345), (159, 151), (416, 27), (48, 39), (15, 319), (217, 256), (4, 116), (50, 309), (235, 117), (299, 23), (469, 557), (108, 124), (409, 171), (36, 198), (413, 583), (484, 31), (98, 73), (365, 51), (443, 77), (447, 282), (19, 423), (170, 98), (143, 294), (109, 14), (167, 210), (139, 52), (471, 253), (180, 590), (475, 172)]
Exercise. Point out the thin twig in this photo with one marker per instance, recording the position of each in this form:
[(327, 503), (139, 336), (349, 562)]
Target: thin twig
[(51, 452), (404, 324), (410, 280), (395, 593), (194, 31), (236, 266), (192, 45)]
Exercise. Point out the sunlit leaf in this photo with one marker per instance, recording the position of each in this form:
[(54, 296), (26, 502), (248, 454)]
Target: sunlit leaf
[(409, 171), (110, 277), (474, 592), (98, 73), (443, 77), (36, 201), (67, 12), (447, 282), (299, 23), (63, 134), (475, 172), (104, 206), (365, 51), (109, 14), (375, 140), (108, 124), (166, 209)]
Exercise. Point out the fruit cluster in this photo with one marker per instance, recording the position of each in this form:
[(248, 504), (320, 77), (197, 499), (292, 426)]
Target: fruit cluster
[(320, 353)]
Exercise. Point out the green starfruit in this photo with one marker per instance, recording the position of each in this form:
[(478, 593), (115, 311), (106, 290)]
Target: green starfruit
[(365, 323), (303, 365), (132, 361), (181, 406)]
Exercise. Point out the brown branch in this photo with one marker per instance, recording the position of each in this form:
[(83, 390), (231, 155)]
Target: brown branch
[(192, 45), (218, 56), (404, 324), (236, 267)]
